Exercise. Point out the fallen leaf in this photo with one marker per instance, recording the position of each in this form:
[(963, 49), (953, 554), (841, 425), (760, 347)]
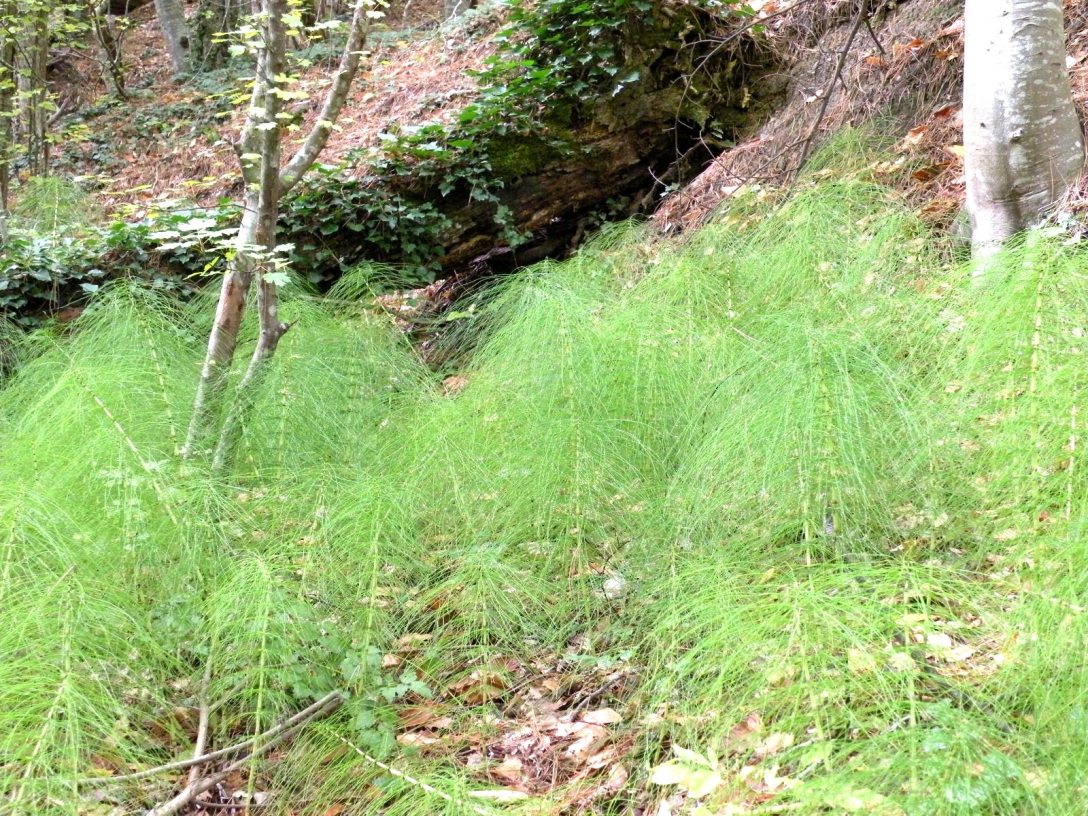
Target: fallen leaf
[(690, 757), (602, 716), (702, 782), (510, 770), (952, 30), (617, 778), (417, 716), (939, 640), (915, 135), (592, 737), (669, 773), (860, 662), (779, 741), (417, 738)]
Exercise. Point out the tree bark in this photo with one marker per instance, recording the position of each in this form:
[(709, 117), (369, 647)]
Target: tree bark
[(32, 60), (175, 31), (255, 246), (7, 111), (1022, 139)]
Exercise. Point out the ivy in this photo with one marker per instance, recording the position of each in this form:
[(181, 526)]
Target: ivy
[(553, 56), (42, 272)]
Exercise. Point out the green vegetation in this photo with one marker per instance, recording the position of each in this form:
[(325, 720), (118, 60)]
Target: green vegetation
[(812, 497), (57, 256)]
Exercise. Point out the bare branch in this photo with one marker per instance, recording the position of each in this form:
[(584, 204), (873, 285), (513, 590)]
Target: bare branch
[(190, 792), (330, 701), (337, 95)]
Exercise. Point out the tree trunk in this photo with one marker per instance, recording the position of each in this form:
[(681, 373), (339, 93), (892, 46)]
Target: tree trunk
[(255, 246), (32, 60), (455, 8), (7, 111), (1022, 140), (223, 339), (213, 17), (175, 31), (113, 69), (632, 149)]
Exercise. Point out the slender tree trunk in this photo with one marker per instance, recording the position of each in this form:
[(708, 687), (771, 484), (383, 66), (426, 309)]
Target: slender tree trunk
[(223, 339), (1022, 140), (175, 31), (7, 113), (455, 8), (268, 198), (256, 243), (213, 17), (32, 58), (113, 68)]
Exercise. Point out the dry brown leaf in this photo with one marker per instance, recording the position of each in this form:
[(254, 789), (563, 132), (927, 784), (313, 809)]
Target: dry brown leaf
[(590, 738), (417, 738), (418, 716), (776, 742), (915, 135), (602, 758), (617, 778), (411, 642), (953, 30), (602, 716), (510, 770)]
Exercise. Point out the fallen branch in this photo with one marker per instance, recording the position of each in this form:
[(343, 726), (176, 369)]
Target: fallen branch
[(276, 732), (326, 706), (862, 19), (202, 724)]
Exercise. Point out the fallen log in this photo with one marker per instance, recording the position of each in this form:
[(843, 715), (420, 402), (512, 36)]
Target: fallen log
[(621, 150)]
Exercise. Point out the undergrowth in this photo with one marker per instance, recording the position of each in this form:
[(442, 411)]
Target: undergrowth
[(821, 497)]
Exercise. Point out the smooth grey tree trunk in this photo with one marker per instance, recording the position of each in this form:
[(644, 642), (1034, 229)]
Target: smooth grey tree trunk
[(175, 30), (455, 8), (1022, 139)]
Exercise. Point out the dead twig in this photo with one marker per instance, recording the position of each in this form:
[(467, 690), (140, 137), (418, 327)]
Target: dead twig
[(862, 18), (275, 732), (202, 723), (330, 703)]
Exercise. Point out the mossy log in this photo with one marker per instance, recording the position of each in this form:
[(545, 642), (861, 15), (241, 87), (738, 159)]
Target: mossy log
[(619, 153)]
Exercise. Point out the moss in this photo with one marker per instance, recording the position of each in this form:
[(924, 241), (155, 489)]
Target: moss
[(517, 156)]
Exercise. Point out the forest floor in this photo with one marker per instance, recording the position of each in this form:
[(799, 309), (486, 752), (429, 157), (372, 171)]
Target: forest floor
[(171, 140), (780, 517)]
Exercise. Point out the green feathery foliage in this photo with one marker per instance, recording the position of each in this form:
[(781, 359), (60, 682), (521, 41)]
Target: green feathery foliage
[(820, 495)]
